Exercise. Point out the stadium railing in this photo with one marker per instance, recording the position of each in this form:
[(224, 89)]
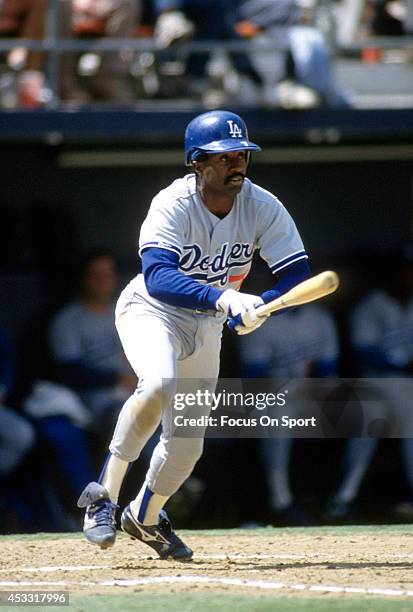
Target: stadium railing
[(54, 46)]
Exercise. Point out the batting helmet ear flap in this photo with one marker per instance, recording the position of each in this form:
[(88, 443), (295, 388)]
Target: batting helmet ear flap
[(199, 156), (216, 132)]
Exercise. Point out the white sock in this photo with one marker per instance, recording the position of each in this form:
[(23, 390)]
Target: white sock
[(277, 453), (113, 476), (359, 454), (281, 496), (147, 506)]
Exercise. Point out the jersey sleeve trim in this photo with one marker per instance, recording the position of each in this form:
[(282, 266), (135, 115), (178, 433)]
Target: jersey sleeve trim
[(287, 261), (160, 245)]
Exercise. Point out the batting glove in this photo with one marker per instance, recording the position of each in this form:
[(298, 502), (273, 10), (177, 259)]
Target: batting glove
[(234, 303), (246, 323), (240, 307)]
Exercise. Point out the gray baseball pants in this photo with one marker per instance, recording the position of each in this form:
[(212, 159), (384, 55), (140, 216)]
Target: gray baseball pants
[(170, 354)]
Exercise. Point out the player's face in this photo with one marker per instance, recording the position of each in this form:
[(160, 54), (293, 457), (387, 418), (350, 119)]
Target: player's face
[(223, 173), (99, 280)]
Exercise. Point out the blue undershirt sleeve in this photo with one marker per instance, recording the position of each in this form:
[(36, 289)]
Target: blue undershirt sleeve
[(287, 279), (165, 283)]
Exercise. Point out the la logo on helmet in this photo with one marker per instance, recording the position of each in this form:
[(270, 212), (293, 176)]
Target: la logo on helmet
[(234, 129)]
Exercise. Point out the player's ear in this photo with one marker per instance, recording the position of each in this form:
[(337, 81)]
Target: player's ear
[(196, 166)]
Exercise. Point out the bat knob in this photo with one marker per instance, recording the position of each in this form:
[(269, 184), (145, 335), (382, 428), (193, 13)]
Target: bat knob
[(332, 280)]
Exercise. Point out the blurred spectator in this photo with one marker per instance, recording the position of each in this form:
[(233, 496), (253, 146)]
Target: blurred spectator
[(408, 18), (17, 435), (32, 496), (86, 347), (386, 17), (383, 18), (60, 419), (108, 71), (211, 76), (26, 19), (297, 76), (301, 343), (381, 331), (300, 74), (172, 25), (74, 376), (17, 440)]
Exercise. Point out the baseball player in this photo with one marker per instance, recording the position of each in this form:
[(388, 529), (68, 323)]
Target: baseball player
[(196, 246)]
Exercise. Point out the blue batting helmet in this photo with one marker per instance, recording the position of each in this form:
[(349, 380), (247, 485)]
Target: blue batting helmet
[(216, 132)]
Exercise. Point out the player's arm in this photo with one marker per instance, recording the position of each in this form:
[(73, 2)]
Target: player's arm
[(161, 238), (287, 278), (166, 283), (281, 247)]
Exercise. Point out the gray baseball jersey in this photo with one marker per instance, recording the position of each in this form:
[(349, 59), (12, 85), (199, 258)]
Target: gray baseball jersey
[(218, 251), (166, 342)]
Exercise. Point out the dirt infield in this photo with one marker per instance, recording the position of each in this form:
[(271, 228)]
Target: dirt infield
[(337, 562)]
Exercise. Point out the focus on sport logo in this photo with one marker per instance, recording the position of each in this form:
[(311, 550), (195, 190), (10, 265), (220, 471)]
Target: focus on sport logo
[(234, 130)]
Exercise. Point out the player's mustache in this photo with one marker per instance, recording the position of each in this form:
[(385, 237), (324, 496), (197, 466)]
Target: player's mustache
[(234, 175)]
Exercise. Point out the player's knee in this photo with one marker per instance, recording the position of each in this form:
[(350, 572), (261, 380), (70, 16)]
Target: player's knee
[(145, 414), (148, 403), (158, 394)]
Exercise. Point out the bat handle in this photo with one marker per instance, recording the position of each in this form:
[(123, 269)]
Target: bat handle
[(267, 309)]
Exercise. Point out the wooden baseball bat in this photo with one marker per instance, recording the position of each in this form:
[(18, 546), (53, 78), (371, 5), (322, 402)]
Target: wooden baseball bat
[(309, 290)]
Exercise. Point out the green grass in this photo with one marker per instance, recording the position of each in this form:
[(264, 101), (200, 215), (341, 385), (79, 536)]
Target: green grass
[(222, 602), (328, 530), (261, 531)]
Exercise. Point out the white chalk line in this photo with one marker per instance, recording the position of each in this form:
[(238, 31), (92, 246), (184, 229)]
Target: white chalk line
[(256, 584), (260, 584), (197, 557), (229, 557)]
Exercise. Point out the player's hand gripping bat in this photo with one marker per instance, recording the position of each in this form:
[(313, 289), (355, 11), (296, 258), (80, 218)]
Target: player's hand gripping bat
[(309, 290)]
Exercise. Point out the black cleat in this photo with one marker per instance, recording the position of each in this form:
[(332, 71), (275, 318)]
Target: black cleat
[(99, 525), (160, 537)]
